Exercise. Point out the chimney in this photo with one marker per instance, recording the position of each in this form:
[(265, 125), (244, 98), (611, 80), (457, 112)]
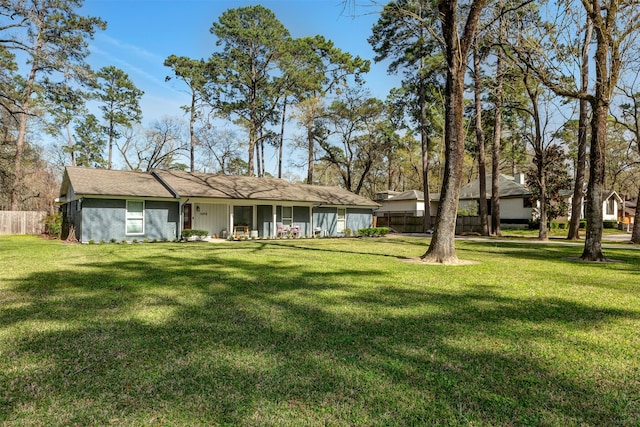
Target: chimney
[(520, 178)]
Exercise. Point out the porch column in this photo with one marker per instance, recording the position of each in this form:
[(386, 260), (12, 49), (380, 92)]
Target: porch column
[(230, 210), (311, 231), (254, 219), (274, 211)]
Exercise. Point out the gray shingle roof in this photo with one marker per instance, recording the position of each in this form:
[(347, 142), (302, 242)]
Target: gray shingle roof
[(337, 196), (103, 182), (409, 195), (508, 188), (170, 183), (234, 187)]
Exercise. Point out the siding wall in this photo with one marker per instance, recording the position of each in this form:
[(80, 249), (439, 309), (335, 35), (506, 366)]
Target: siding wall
[(105, 219), (358, 218), (213, 218), (326, 219)]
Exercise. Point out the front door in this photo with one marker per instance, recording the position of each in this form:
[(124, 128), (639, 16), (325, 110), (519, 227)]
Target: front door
[(186, 216)]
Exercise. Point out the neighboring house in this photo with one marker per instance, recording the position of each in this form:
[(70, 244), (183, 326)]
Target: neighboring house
[(612, 207), (516, 206), (409, 203), (108, 204), (515, 201)]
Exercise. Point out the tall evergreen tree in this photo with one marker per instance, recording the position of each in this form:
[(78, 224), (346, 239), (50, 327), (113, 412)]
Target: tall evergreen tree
[(403, 33), (241, 77), (119, 102), (192, 73), (54, 37)]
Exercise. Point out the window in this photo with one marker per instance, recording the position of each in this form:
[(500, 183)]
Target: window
[(610, 206), (287, 215), (135, 217), (243, 215), (342, 215)]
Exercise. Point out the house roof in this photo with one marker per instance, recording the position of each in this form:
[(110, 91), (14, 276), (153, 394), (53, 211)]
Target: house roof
[(171, 183), (508, 188), (409, 195), (103, 182), (188, 184), (337, 196)]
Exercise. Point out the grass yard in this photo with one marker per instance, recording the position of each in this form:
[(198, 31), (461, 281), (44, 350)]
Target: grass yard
[(337, 332)]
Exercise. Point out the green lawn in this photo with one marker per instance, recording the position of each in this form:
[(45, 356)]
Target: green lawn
[(326, 332)]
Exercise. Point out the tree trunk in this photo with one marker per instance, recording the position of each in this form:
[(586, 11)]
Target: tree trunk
[(581, 161), (281, 142), (497, 138), (542, 230), (635, 235), (607, 68), (593, 239), (425, 143), (442, 246), (70, 144), (192, 135), (22, 131), (482, 172), (310, 120)]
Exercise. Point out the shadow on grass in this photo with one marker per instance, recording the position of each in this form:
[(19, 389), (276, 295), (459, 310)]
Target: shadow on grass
[(190, 336)]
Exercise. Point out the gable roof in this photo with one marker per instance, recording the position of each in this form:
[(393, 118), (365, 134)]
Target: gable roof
[(508, 188), (174, 184), (104, 182)]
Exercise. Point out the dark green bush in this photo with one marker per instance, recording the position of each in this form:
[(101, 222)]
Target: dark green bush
[(610, 224), (186, 234), (373, 231), (53, 224)]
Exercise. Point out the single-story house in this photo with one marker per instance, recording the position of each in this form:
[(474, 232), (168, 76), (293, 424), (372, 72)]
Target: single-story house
[(108, 204)]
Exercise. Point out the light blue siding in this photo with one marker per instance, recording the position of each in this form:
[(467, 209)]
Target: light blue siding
[(325, 219), (359, 218), (105, 219)]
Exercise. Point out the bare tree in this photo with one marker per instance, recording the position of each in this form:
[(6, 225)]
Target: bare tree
[(158, 147)]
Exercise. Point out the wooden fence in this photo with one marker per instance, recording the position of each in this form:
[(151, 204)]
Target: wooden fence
[(22, 222), (413, 224)]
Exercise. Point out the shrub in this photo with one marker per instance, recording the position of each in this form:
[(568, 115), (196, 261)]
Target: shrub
[(53, 224), (610, 224), (112, 240), (199, 234), (91, 241), (102, 242), (373, 231), (134, 241)]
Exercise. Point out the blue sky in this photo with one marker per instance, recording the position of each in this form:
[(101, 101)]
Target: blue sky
[(141, 34)]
